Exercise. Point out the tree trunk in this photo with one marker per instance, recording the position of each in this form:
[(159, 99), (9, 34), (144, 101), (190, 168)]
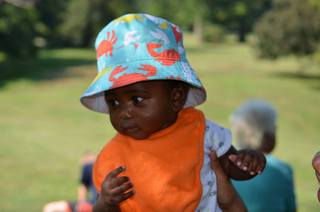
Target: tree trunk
[(198, 28), (242, 30)]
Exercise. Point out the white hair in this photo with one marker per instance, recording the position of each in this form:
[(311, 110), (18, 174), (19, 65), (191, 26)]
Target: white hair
[(251, 121)]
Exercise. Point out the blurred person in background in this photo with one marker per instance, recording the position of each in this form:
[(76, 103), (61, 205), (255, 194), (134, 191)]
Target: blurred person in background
[(316, 166), (254, 126), (86, 190)]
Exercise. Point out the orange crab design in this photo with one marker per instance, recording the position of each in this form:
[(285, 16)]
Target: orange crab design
[(106, 46), (128, 78), (177, 34), (166, 57)]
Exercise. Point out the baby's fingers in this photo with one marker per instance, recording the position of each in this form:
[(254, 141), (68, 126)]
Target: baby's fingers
[(236, 159), (114, 173), (261, 165), (246, 164), (111, 180), (253, 168), (118, 181), (122, 188), (119, 198)]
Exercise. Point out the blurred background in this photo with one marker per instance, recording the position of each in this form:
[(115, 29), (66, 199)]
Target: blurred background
[(241, 49)]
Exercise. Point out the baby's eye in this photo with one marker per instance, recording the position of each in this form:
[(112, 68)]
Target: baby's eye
[(137, 99), (113, 103)]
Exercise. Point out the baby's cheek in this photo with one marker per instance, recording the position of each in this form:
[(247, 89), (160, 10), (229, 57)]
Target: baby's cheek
[(116, 125)]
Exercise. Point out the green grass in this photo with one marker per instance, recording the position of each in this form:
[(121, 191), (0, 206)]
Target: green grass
[(44, 129)]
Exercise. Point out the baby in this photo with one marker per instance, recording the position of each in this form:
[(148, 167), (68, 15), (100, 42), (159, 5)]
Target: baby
[(160, 158)]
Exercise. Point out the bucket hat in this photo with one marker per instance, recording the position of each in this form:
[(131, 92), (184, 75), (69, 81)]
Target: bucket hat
[(140, 47)]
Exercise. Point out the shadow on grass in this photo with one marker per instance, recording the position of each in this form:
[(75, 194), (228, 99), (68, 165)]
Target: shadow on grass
[(312, 80), (42, 68)]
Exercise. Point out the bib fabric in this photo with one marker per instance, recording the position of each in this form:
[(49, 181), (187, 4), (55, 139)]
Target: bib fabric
[(164, 168)]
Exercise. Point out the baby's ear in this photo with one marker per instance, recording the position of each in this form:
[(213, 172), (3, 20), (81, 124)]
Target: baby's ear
[(179, 95)]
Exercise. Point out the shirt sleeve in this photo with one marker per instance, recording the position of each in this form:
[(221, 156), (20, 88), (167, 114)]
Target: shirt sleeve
[(217, 138)]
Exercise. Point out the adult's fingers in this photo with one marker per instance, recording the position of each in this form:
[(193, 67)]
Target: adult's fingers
[(316, 162), (214, 161)]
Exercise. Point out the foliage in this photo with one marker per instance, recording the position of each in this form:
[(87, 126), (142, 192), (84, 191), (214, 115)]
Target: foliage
[(18, 28), (237, 16), (51, 15), (190, 15), (76, 22), (81, 28), (213, 33), (291, 27)]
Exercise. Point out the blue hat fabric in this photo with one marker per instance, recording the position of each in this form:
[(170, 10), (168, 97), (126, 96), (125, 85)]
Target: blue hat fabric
[(140, 47)]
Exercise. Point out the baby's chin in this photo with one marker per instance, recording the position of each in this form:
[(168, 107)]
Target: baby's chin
[(136, 134), (139, 136)]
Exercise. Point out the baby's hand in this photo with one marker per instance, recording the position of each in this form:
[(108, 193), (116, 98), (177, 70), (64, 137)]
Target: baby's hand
[(250, 161), (116, 189)]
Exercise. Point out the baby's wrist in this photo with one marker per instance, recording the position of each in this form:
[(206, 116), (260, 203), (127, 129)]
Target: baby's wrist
[(103, 205)]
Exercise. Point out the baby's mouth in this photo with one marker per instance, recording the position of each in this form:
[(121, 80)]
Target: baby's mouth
[(129, 128)]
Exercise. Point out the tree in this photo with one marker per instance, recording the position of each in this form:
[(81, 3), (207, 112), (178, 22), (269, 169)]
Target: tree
[(238, 16), (189, 14), (291, 27), (83, 19), (18, 29), (51, 14)]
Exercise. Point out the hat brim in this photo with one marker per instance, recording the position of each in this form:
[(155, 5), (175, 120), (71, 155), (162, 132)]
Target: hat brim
[(137, 71)]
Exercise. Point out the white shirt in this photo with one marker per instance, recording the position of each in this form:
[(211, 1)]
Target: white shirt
[(219, 139)]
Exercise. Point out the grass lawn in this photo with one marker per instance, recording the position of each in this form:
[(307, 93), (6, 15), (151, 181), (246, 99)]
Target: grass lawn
[(45, 130)]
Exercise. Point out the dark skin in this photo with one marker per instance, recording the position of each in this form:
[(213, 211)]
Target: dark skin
[(228, 198), (140, 109), (316, 166)]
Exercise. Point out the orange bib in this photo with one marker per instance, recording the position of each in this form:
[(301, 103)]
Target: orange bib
[(164, 168)]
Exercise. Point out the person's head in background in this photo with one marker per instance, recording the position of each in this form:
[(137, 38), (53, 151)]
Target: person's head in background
[(87, 157), (254, 125)]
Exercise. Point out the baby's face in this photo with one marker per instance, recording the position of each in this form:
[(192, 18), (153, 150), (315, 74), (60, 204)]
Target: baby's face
[(140, 109)]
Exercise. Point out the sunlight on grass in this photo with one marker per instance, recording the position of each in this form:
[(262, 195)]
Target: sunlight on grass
[(44, 129)]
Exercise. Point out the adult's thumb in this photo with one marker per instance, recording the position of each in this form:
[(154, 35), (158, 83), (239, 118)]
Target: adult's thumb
[(316, 163), (215, 165)]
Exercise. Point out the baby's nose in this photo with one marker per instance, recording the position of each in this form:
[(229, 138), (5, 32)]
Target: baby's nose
[(126, 113)]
